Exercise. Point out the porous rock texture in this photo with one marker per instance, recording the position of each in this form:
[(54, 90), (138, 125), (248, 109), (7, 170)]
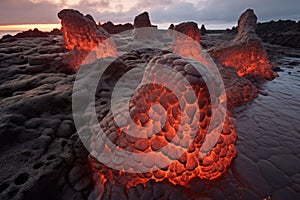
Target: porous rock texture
[(283, 32), (42, 157), (81, 35), (182, 168), (80, 31), (245, 52), (39, 147)]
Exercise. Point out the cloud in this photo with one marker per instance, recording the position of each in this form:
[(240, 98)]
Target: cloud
[(226, 11), (162, 11), (24, 11), (266, 9), (183, 11)]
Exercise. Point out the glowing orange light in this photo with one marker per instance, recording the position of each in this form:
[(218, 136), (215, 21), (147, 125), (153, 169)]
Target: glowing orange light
[(189, 165)]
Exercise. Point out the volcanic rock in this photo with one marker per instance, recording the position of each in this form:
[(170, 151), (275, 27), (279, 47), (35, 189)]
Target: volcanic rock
[(245, 52), (238, 89), (80, 31), (82, 35), (115, 29), (190, 29), (283, 32), (31, 33), (171, 27), (55, 31), (35, 101), (203, 29), (143, 28), (142, 20), (146, 96)]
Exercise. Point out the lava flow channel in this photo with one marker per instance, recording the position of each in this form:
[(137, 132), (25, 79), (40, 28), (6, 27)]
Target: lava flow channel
[(145, 113)]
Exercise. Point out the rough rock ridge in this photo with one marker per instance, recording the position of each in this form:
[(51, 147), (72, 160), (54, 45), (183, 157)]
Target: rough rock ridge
[(115, 29), (80, 32), (245, 52), (143, 29), (142, 20), (82, 35), (190, 29)]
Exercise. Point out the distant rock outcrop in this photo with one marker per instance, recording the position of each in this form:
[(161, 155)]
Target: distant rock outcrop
[(171, 27), (115, 29), (143, 28), (190, 29), (246, 26), (282, 32), (203, 29), (245, 52), (55, 31), (142, 20), (31, 33), (80, 31), (82, 35)]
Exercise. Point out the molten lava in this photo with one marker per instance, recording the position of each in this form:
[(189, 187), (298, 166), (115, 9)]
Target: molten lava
[(178, 119), (247, 59)]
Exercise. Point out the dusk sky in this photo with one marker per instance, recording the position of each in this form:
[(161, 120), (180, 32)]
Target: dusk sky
[(163, 12)]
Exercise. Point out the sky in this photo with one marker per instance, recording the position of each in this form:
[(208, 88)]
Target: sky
[(212, 13)]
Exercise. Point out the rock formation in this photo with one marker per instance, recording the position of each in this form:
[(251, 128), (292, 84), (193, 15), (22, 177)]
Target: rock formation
[(115, 29), (55, 31), (189, 28), (245, 52), (203, 29), (31, 33), (171, 27), (42, 157), (142, 20), (80, 31), (81, 35), (283, 32), (143, 28)]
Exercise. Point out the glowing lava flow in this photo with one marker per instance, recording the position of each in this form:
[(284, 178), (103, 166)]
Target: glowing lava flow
[(246, 52), (172, 114), (248, 59)]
